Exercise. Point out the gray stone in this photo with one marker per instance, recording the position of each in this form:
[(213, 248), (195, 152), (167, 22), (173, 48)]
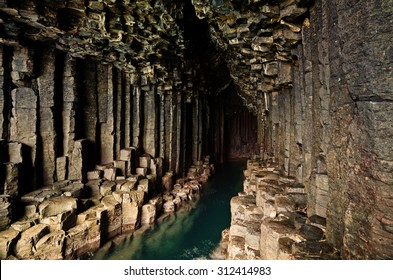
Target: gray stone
[(138, 196), (110, 173), (311, 233), (145, 161), (92, 187), (94, 175), (107, 188), (271, 232), (169, 207), (167, 181), (62, 168), (15, 152), (121, 166), (21, 226), (11, 184), (5, 211), (144, 185), (141, 171), (130, 216), (79, 161)]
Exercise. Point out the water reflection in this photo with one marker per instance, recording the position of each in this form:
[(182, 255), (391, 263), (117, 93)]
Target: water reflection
[(191, 233)]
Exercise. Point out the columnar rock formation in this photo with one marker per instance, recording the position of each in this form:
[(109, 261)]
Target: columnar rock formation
[(87, 87), (270, 220), (319, 77)]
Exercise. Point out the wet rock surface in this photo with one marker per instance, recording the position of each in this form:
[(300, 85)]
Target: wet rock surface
[(97, 96), (272, 232), (58, 225)]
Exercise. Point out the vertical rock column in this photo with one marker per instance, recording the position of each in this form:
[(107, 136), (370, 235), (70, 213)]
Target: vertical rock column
[(47, 132), (196, 130), (127, 110), (88, 97), (177, 132), (69, 110), (150, 123), (2, 99), (106, 112), (167, 129), (119, 111), (136, 116), (297, 127), (23, 123), (307, 143)]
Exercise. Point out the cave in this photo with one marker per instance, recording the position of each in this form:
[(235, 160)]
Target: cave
[(115, 112)]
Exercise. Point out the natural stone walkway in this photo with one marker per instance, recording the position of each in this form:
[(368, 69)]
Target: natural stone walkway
[(269, 220), (73, 218)]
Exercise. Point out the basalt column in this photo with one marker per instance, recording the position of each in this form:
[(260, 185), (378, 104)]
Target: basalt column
[(327, 129), (24, 114), (106, 112), (318, 76)]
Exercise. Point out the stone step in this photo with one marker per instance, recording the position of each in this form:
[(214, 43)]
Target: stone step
[(271, 232), (310, 250)]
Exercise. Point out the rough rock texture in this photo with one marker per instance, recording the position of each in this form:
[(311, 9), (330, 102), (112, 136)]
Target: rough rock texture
[(71, 220), (95, 93), (319, 76), (269, 221)]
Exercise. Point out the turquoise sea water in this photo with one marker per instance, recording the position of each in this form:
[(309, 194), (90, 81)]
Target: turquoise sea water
[(191, 233)]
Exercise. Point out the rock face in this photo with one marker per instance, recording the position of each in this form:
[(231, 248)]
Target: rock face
[(71, 220), (103, 99), (321, 85), (270, 222)]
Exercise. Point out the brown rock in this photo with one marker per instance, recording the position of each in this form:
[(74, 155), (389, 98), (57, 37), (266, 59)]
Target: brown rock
[(82, 239), (8, 239), (112, 223), (79, 161), (50, 246), (28, 240), (148, 214), (57, 205)]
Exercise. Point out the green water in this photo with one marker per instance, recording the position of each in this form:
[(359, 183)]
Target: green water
[(192, 233)]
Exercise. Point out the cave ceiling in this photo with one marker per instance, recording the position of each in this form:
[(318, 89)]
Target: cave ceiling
[(240, 45)]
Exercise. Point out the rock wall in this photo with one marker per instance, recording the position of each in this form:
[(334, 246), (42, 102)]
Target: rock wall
[(269, 220), (319, 76), (112, 72), (101, 83), (95, 94), (72, 220)]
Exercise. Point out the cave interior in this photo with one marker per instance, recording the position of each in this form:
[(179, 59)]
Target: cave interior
[(97, 94)]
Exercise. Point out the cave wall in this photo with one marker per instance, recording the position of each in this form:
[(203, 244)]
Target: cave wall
[(340, 120), (318, 74), (83, 80), (73, 98), (101, 76)]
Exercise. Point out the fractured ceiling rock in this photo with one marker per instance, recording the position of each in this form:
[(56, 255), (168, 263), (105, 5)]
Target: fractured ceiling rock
[(256, 38), (122, 32)]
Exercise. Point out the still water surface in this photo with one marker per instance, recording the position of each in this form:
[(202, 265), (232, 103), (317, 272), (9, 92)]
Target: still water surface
[(191, 233)]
